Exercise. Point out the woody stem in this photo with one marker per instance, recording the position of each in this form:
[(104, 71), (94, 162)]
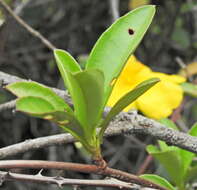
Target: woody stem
[(84, 168)]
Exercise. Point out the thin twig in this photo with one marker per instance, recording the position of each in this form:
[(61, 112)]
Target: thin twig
[(114, 7), (84, 168), (145, 165), (32, 31), (60, 181)]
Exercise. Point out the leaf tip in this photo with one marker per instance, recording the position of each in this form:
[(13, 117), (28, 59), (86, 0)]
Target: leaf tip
[(154, 80), (56, 51), (10, 88)]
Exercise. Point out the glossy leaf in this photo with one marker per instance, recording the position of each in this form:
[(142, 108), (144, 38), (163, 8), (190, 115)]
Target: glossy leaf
[(23, 89), (91, 85), (41, 108), (126, 100), (86, 89), (66, 62), (163, 146), (34, 105), (118, 42), (171, 161), (68, 67), (158, 180)]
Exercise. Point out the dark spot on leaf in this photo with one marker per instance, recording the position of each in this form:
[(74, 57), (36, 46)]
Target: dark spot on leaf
[(130, 31)]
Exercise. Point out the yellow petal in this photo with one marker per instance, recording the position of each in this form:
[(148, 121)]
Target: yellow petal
[(160, 100), (171, 78), (134, 72), (119, 90)]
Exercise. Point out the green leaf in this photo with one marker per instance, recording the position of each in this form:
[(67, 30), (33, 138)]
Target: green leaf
[(68, 66), (87, 95), (91, 85), (163, 146), (66, 62), (158, 180), (193, 130), (34, 105), (117, 43), (41, 108), (126, 100), (23, 89), (171, 161), (188, 156), (189, 88), (151, 149), (169, 123), (86, 90)]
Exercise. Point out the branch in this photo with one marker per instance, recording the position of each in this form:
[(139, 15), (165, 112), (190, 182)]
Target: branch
[(60, 181), (32, 31), (84, 168), (33, 144), (125, 123)]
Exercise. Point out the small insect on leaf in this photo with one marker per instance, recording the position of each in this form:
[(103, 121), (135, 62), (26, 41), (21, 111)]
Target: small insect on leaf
[(131, 31)]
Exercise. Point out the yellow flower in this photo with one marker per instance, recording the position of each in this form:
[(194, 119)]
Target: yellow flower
[(159, 101)]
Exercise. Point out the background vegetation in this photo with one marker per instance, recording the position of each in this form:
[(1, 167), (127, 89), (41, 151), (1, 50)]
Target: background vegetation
[(75, 26)]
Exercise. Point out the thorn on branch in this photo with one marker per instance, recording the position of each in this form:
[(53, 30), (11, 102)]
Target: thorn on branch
[(40, 172), (60, 184), (75, 183)]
